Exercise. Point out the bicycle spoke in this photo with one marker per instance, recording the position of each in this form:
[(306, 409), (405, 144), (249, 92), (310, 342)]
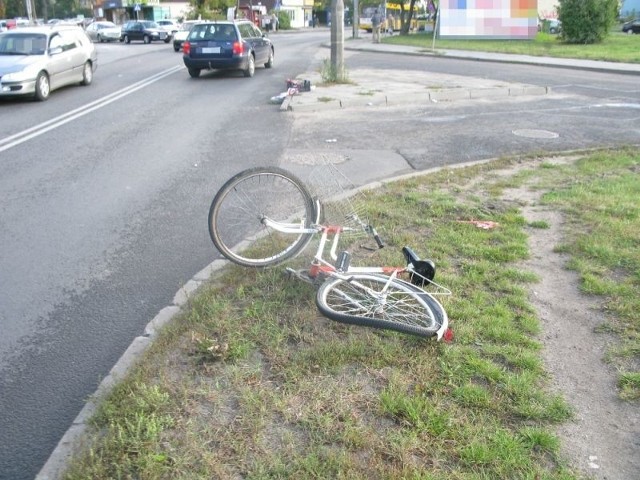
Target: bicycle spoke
[(237, 213), (379, 301)]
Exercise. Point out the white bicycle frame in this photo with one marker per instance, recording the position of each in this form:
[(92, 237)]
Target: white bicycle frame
[(321, 267)]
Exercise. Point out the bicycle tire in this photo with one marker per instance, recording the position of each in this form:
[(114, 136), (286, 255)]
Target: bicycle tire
[(406, 309), (237, 211)]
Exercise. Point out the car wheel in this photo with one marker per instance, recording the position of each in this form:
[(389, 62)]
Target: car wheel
[(127, 39), (251, 67), (100, 38), (43, 89), (269, 63), (167, 40), (87, 74), (194, 72), (146, 39), (630, 31), (176, 48)]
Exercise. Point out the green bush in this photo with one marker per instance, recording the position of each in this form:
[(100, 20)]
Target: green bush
[(586, 21), (284, 21)]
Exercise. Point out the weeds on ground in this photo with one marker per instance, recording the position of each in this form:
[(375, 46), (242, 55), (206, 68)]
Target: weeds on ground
[(252, 383), (330, 74)]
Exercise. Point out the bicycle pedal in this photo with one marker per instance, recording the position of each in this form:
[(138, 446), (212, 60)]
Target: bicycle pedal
[(343, 261), (301, 275)]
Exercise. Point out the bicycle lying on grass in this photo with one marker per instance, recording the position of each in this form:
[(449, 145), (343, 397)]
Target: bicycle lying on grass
[(265, 216)]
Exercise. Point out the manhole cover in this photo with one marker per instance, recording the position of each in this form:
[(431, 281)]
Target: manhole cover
[(530, 133)]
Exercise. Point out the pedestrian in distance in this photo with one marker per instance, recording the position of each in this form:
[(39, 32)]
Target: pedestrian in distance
[(390, 23), (376, 20)]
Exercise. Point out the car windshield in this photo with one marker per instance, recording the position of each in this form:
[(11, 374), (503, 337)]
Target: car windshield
[(150, 24), (23, 44), (106, 25)]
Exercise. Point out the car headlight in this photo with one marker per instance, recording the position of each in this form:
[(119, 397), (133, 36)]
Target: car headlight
[(21, 76)]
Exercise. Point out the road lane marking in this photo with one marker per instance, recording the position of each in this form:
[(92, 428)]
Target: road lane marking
[(37, 130)]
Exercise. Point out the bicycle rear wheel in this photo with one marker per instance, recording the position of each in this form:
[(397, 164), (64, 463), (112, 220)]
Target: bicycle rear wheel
[(239, 209), (371, 300)]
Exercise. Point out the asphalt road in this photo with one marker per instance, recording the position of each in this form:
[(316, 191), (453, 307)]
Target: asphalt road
[(103, 218), (583, 110), (104, 205)]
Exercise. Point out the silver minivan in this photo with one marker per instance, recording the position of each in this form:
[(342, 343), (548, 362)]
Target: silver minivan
[(37, 60)]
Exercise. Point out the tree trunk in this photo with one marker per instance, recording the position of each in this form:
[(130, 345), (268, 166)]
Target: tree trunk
[(406, 17)]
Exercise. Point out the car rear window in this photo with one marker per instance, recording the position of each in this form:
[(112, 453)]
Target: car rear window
[(217, 32)]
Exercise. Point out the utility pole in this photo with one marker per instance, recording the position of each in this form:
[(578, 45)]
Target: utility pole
[(337, 39), (356, 19), (30, 11)]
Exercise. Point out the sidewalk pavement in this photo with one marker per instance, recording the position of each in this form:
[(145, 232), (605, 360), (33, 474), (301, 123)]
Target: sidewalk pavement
[(369, 87)]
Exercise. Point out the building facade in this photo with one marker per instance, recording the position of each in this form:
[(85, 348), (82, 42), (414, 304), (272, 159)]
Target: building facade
[(547, 8), (119, 11), (300, 11)]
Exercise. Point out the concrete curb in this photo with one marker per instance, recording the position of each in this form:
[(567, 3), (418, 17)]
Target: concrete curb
[(74, 438), (296, 103), (72, 441)]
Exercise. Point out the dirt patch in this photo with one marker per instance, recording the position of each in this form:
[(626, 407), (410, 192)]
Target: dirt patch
[(603, 440)]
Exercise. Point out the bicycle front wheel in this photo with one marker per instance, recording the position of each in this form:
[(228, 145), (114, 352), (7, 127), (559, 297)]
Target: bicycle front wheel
[(376, 301), (238, 212)]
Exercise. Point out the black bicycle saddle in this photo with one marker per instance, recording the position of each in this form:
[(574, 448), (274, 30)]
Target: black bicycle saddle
[(425, 269)]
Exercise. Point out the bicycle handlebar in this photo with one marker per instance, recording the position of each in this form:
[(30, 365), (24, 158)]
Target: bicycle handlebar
[(376, 237)]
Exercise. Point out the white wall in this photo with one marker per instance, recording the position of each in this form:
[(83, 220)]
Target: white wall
[(547, 8)]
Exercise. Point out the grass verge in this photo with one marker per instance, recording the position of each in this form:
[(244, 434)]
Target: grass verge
[(617, 47), (252, 383)]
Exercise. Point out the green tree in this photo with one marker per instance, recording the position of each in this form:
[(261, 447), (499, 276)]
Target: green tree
[(586, 21), (407, 10), (284, 20), (67, 8), (406, 15), (210, 9), (15, 8)]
